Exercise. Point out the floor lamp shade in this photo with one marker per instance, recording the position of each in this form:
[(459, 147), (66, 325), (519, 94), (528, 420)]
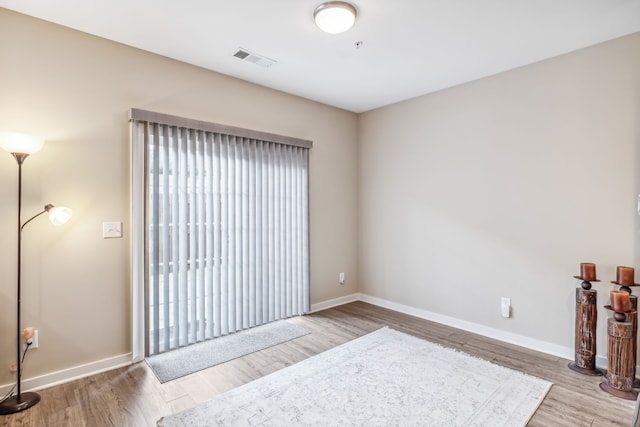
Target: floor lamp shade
[(59, 215), (23, 143), (21, 146)]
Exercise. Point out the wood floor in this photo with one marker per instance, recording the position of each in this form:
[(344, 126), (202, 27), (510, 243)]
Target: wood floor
[(133, 397)]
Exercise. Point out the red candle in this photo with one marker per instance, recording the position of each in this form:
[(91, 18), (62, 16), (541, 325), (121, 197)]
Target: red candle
[(587, 271), (620, 301), (625, 276)]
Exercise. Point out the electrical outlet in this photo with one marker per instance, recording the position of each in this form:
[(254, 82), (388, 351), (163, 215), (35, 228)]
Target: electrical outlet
[(505, 307), (342, 278), (34, 343)]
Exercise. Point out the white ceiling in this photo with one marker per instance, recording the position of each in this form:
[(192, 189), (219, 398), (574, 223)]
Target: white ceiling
[(410, 47)]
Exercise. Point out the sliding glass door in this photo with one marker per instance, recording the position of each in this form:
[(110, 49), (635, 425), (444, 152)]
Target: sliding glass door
[(226, 229)]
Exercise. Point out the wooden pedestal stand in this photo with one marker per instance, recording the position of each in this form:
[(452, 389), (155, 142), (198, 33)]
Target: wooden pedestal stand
[(585, 336), (619, 377), (633, 318)]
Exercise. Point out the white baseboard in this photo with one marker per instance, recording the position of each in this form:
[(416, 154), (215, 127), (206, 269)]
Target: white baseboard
[(601, 362), (486, 331), (99, 366), (508, 337), (335, 302), (74, 373), (77, 372)]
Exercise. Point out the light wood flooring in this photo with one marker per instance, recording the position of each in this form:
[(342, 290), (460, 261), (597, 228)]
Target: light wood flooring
[(132, 396)]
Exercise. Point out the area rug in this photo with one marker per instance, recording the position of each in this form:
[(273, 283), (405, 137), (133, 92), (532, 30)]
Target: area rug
[(381, 379), (196, 357)]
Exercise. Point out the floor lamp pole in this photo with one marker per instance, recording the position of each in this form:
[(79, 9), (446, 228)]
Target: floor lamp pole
[(19, 297), (20, 401)]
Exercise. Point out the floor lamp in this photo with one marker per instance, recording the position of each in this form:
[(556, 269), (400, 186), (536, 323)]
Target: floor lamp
[(21, 146)]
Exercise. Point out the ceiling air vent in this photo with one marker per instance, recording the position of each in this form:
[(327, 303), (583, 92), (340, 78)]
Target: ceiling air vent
[(245, 55)]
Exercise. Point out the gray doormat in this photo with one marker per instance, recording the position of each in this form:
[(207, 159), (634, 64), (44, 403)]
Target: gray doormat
[(196, 357)]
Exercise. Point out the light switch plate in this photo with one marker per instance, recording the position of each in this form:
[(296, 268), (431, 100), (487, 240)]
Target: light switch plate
[(111, 230)]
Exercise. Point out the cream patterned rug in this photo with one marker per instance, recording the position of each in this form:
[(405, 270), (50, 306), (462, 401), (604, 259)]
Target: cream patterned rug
[(381, 379)]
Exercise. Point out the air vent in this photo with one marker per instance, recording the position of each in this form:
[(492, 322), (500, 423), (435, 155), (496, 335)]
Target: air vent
[(245, 55)]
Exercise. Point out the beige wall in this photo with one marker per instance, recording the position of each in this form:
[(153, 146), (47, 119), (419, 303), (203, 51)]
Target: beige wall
[(75, 90), (501, 187)]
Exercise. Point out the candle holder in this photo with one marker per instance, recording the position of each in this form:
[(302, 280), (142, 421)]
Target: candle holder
[(625, 287), (619, 377), (585, 335)]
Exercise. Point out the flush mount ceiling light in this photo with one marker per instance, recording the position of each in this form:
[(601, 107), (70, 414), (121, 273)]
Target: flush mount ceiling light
[(335, 17)]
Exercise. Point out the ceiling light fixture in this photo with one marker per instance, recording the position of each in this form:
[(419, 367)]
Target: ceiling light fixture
[(335, 17)]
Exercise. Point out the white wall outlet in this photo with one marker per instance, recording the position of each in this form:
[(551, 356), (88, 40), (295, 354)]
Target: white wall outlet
[(505, 307), (341, 278), (111, 230), (34, 341)]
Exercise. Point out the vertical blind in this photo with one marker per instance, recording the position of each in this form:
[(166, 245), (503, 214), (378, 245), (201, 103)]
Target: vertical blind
[(226, 229)]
